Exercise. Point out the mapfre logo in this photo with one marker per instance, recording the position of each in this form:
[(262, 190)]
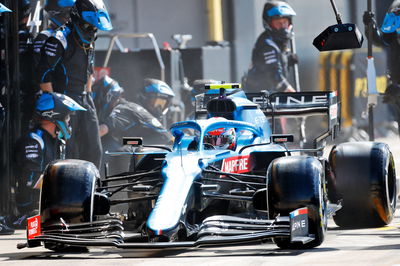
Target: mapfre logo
[(237, 164), (33, 225)]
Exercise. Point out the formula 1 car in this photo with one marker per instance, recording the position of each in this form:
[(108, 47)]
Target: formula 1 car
[(196, 194)]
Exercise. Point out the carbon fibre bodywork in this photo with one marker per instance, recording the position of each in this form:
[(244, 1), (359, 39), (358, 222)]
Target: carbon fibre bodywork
[(192, 194)]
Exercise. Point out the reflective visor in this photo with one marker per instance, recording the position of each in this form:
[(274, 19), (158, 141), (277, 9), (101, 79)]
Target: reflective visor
[(66, 3), (283, 10), (99, 19), (217, 141), (391, 23)]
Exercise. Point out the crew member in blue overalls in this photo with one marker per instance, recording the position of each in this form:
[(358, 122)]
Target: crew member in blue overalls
[(66, 65), (272, 56), (44, 143), (120, 118), (388, 35), (58, 13)]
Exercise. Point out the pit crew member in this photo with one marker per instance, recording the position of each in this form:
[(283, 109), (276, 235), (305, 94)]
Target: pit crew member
[(388, 35), (43, 144), (66, 65), (272, 56)]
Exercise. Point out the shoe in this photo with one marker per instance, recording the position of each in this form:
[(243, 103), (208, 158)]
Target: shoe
[(5, 229)]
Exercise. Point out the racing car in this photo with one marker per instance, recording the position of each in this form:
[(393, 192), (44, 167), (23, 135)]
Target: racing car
[(199, 192)]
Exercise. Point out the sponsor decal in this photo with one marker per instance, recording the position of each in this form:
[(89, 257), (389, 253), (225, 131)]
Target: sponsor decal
[(34, 227), (298, 212), (313, 99), (52, 45), (50, 54), (32, 146), (333, 111), (49, 113), (237, 164), (32, 156), (299, 223)]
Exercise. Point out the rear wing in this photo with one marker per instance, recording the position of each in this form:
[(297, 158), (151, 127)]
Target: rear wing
[(301, 104), (287, 104)]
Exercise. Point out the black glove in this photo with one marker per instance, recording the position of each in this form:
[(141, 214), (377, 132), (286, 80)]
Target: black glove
[(392, 93), (293, 59), (368, 18)]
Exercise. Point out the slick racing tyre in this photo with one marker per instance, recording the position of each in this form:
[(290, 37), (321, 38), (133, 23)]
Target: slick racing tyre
[(295, 182), (365, 181), (68, 193)]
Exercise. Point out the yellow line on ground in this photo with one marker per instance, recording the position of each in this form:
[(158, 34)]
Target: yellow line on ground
[(391, 227)]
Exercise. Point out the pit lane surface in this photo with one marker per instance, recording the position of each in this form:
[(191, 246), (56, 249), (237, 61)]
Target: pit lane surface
[(374, 246)]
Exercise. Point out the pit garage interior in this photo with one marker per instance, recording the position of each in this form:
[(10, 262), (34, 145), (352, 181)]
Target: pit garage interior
[(223, 33)]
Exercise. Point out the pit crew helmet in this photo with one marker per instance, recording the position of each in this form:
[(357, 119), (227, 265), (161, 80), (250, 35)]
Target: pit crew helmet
[(106, 92), (3, 8), (391, 22), (58, 11), (156, 95), (24, 10), (88, 16), (57, 108), (278, 9), (221, 138)]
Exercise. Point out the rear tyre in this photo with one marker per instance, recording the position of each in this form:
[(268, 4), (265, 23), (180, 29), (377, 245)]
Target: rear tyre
[(295, 182), (365, 180)]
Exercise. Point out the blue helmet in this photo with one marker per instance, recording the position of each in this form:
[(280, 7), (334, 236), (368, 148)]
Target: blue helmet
[(56, 108), (157, 96), (58, 10), (278, 9), (391, 22), (24, 9), (88, 16), (3, 8), (106, 92)]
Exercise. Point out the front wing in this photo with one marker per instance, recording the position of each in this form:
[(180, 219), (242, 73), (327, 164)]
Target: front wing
[(215, 230)]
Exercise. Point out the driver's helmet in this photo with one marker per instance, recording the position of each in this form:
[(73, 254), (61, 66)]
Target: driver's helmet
[(88, 16), (106, 93), (58, 11), (156, 96), (221, 138), (57, 108), (391, 22), (278, 9)]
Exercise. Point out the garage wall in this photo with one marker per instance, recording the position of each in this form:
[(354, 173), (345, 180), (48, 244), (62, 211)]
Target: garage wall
[(161, 17), (242, 25)]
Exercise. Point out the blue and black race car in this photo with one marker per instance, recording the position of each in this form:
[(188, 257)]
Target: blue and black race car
[(227, 179)]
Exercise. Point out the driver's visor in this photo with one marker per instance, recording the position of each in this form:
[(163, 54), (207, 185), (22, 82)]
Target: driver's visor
[(216, 141), (391, 23)]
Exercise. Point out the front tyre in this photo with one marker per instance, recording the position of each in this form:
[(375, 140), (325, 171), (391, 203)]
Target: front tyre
[(295, 182), (68, 192)]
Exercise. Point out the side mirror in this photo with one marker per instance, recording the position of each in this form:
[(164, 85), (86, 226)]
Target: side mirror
[(338, 37), (178, 134)]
